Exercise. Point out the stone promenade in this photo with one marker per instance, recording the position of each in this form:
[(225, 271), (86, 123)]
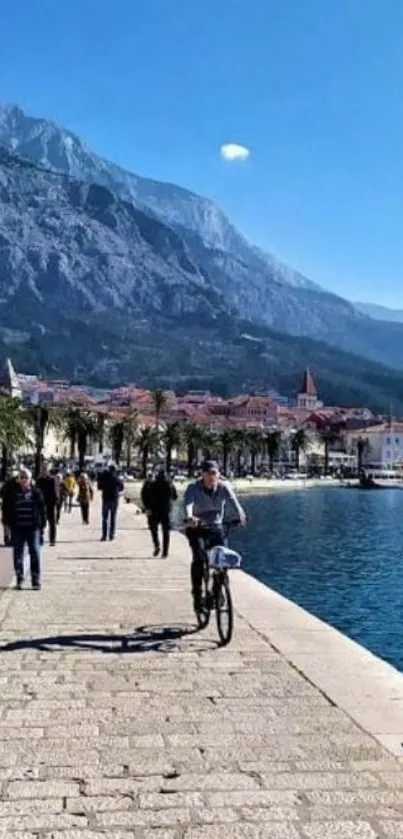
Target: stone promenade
[(119, 720)]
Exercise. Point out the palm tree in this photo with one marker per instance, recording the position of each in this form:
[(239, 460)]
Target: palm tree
[(363, 446), (160, 399), (13, 430), (101, 432), (240, 442), (195, 437), (226, 441), (172, 439), (40, 418), (147, 441), (81, 426), (328, 434), (299, 443), (273, 442), (254, 443), (130, 434), (210, 443)]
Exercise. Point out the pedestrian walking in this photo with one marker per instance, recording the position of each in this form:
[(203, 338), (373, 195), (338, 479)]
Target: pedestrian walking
[(160, 495), (85, 496), (59, 495), (5, 490), (46, 483), (145, 496), (111, 487), (24, 519), (69, 489)]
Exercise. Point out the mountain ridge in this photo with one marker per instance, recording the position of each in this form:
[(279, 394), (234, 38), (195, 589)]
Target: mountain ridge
[(177, 281), (93, 288), (379, 312)]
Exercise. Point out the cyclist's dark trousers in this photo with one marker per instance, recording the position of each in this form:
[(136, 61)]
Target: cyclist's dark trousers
[(154, 520), (196, 537)]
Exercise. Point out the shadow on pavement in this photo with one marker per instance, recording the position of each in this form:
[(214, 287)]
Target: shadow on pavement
[(107, 558), (144, 639), (77, 541)]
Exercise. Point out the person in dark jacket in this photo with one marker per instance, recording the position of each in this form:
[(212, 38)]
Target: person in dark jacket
[(47, 485), (111, 487), (160, 495), (4, 492), (24, 519), (145, 496)]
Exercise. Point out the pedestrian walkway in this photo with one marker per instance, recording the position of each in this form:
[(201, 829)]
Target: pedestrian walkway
[(119, 720)]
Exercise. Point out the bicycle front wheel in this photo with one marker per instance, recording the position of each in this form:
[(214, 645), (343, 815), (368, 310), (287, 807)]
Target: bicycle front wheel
[(224, 610)]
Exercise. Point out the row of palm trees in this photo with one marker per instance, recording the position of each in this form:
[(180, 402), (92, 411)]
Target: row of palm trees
[(237, 449)]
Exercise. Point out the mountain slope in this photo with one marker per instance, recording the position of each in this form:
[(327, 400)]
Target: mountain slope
[(78, 245), (373, 310), (253, 283), (95, 289)]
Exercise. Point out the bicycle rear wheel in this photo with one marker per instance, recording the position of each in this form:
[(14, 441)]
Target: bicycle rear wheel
[(203, 615), (224, 610)]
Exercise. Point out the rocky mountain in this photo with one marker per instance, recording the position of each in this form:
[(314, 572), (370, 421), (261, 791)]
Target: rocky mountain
[(94, 288), (254, 284), (380, 312)]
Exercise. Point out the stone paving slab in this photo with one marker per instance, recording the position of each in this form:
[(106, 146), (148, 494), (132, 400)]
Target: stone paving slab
[(118, 719)]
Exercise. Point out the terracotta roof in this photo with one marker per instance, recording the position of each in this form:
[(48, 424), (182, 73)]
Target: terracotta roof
[(307, 384)]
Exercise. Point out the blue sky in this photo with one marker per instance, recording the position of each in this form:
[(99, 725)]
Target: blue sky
[(313, 87)]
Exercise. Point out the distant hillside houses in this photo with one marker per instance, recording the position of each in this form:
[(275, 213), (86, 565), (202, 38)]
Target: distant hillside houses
[(200, 407), (339, 430)]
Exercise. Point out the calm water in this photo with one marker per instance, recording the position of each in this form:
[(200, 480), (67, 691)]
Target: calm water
[(336, 552)]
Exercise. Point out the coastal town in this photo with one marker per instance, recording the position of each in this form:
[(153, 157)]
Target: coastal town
[(251, 433)]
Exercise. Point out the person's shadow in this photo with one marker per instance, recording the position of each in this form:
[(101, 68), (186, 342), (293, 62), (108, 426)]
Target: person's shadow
[(144, 639)]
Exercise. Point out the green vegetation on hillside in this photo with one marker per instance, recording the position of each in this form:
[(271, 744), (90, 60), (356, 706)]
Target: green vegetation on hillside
[(213, 356)]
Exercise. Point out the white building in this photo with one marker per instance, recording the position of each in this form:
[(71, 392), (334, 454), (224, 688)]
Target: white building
[(382, 448)]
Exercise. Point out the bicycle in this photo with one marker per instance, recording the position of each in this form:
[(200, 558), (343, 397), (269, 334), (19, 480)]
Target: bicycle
[(216, 591)]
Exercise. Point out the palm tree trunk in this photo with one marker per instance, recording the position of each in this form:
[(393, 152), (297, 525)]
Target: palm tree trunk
[(82, 450), (253, 462), (239, 463), (225, 459), (118, 445), (326, 457), (168, 459), (144, 462), (40, 443), (190, 459), (38, 458), (72, 446), (128, 454), (4, 462), (101, 434)]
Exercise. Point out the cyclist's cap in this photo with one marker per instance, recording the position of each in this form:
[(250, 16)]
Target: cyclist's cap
[(210, 466)]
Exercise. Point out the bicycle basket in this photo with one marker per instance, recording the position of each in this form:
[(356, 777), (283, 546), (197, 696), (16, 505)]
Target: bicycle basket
[(221, 557)]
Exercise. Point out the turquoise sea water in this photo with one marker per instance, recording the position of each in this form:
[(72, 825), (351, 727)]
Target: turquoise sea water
[(336, 552)]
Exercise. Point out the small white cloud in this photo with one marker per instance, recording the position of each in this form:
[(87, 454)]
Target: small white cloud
[(234, 151)]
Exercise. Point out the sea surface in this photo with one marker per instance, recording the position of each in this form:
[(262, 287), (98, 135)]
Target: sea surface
[(337, 553)]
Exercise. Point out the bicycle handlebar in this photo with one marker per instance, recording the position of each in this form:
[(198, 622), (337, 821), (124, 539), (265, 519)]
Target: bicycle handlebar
[(226, 525)]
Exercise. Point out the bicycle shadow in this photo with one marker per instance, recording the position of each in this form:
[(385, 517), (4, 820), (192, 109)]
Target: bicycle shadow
[(144, 639)]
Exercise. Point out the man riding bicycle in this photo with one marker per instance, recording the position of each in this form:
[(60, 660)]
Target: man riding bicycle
[(205, 503)]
